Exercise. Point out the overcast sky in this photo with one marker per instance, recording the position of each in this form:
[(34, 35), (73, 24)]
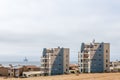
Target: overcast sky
[(28, 26)]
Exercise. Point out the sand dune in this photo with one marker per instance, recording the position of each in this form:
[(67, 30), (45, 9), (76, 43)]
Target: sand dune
[(98, 76)]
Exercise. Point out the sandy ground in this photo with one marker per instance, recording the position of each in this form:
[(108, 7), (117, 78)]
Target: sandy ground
[(98, 76)]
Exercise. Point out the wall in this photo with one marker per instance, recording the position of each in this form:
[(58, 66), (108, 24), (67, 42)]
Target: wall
[(3, 71)]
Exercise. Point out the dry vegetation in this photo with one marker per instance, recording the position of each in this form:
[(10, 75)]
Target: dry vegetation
[(98, 76)]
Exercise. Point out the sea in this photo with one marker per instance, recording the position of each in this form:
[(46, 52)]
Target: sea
[(6, 63), (36, 63)]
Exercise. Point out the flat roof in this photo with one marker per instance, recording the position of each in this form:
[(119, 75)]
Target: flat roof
[(33, 72)]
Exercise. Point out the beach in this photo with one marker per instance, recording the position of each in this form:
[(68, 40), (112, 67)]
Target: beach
[(95, 76)]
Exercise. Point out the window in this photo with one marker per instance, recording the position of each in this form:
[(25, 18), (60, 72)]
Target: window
[(99, 59), (81, 51), (51, 54), (81, 65), (106, 65), (99, 54), (94, 64), (94, 59), (106, 60), (86, 55), (95, 45), (81, 60), (81, 70), (66, 64), (81, 55), (106, 51), (66, 55), (45, 60)]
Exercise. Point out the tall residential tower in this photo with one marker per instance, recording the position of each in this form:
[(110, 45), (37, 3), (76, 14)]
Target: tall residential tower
[(55, 61), (94, 57)]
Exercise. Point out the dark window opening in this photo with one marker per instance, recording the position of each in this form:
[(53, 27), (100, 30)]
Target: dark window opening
[(106, 60), (59, 64), (106, 51), (81, 70), (106, 65), (99, 54), (99, 59), (81, 60)]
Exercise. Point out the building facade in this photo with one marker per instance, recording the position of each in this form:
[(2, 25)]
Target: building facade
[(55, 61), (4, 71), (94, 57)]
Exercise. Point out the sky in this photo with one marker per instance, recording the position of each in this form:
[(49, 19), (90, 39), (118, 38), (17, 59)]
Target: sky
[(28, 26)]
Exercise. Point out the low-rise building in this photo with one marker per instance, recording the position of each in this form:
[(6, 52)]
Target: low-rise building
[(17, 71), (30, 68), (115, 66), (4, 71), (32, 74), (73, 68)]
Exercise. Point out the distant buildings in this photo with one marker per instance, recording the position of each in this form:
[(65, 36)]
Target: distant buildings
[(115, 66), (17, 71), (73, 69), (94, 57), (4, 71), (55, 61)]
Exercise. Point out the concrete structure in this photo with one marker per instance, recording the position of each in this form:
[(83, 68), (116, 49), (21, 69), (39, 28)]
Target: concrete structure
[(115, 66), (55, 61), (32, 74), (73, 68), (4, 71), (94, 57), (27, 68), (17, 71)]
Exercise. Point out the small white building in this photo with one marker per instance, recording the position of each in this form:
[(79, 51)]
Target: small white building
[(32, 74), (115, 66)]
